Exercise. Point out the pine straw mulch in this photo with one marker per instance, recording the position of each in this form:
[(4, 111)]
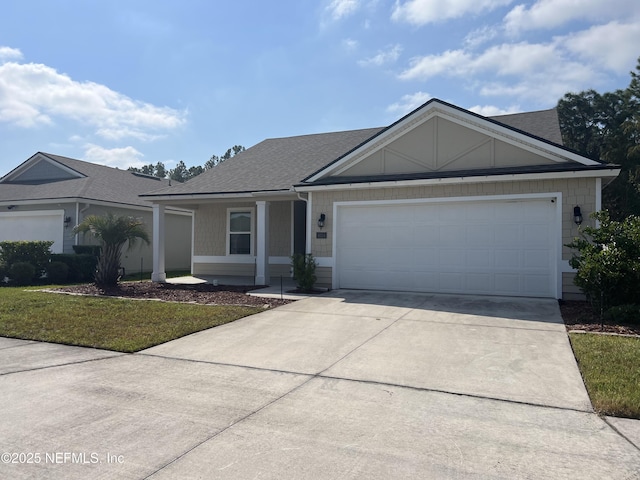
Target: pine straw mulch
[(206, 294), (580, 316)]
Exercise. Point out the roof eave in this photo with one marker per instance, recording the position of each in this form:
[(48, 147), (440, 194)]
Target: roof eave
[(451, 180)]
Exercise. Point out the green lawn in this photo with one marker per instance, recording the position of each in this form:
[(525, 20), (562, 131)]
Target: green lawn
[(610, 366), (108, 323)]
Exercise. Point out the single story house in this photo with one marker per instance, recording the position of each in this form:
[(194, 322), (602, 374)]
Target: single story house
[(442, 200), (47, 195)]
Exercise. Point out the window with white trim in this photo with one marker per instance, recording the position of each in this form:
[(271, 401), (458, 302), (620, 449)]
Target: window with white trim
[(240, 231)]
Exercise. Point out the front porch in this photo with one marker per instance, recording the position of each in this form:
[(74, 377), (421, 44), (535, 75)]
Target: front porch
[(250, 242)]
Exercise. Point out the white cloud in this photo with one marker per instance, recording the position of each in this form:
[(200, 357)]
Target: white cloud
[(339, 9), (390, 55), (537, 72), (547, 14), (408, 103), (613, 46), (35, 94), (451, 62), (350, 44), (8, 53), (422, 12), (492, 111), (480, 36), (122, 158)]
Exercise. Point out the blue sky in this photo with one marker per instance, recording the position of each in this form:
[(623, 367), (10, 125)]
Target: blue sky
[(135, 82)]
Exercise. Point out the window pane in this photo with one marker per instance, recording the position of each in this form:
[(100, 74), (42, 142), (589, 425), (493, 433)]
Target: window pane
[(240, 222), (240, 244)]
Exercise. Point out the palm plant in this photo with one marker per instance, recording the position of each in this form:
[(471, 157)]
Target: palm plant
[(113, 232)]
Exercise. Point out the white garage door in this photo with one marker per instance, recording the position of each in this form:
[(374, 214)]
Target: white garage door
[(496, 248), (40, 225)]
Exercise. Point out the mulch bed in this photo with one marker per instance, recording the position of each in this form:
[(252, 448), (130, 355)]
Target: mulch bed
[(580, 316), (201, 293)]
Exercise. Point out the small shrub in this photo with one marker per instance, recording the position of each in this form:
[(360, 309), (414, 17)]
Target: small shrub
[(4, 272), (304, 271), (624, 314), (22, 273), (82, 267), (87, 250), (36, 253), (57, 272), (608, 261)]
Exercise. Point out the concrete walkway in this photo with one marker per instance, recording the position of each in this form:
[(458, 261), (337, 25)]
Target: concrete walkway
[(344, 385)]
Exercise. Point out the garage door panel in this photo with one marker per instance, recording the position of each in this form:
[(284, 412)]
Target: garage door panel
[(507, 235), (481, 235), (425, 235), (452, 258), (538, 284), (535, 259), (507, 259), (507, 284), (425, 258), (453, 234), (480, 282), (478, 258), (497, 247)]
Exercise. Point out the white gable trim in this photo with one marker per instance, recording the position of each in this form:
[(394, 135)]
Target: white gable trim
[(612, 172), (435, 108), (19, 170)]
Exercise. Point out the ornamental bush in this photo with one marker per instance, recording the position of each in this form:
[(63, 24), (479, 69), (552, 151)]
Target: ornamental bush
[(304, 271), (22, 273), (81, 266), (607, 260), (57, 272), (37, 253)]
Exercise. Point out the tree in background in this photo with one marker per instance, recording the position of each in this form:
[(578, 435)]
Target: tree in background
[(607, 127), (113, 232), (181, 173), (216, 160)]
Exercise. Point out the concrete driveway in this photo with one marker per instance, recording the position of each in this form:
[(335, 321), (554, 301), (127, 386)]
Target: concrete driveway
[(345, 385)]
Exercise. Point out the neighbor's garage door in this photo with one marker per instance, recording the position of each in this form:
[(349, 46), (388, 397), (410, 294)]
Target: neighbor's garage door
[(497, 248), (40, 225)]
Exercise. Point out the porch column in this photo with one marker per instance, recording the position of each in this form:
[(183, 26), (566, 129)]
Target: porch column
[(158, 274), (262, 243)]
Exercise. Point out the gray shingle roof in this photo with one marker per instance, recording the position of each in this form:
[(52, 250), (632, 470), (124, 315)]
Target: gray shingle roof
[(543, 123), (272, 165), (279, 163), (100, 183)]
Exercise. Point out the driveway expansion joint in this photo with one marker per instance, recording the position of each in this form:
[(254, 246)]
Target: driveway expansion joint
[(45, 367), (615, 429)]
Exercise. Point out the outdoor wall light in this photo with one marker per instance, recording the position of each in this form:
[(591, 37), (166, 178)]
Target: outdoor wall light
[(11, 207), (321, 220), (67, 221), (577, 215)]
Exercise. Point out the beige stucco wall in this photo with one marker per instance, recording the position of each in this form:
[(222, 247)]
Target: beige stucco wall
[(579, 191)]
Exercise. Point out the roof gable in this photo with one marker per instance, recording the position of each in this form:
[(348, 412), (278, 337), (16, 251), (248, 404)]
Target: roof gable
[(46, 177), (441, 137), (40, 169)]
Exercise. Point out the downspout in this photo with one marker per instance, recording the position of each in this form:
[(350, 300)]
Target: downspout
[(78, 212)]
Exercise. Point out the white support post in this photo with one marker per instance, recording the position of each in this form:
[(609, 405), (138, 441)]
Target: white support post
[(158, 275), (262, 243)]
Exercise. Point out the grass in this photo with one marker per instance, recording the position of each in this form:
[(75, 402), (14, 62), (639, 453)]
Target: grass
[(610, 367), (107, 323)]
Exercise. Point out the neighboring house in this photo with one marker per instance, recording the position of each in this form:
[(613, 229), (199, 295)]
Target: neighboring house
[(443, 200), (47, 195)]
